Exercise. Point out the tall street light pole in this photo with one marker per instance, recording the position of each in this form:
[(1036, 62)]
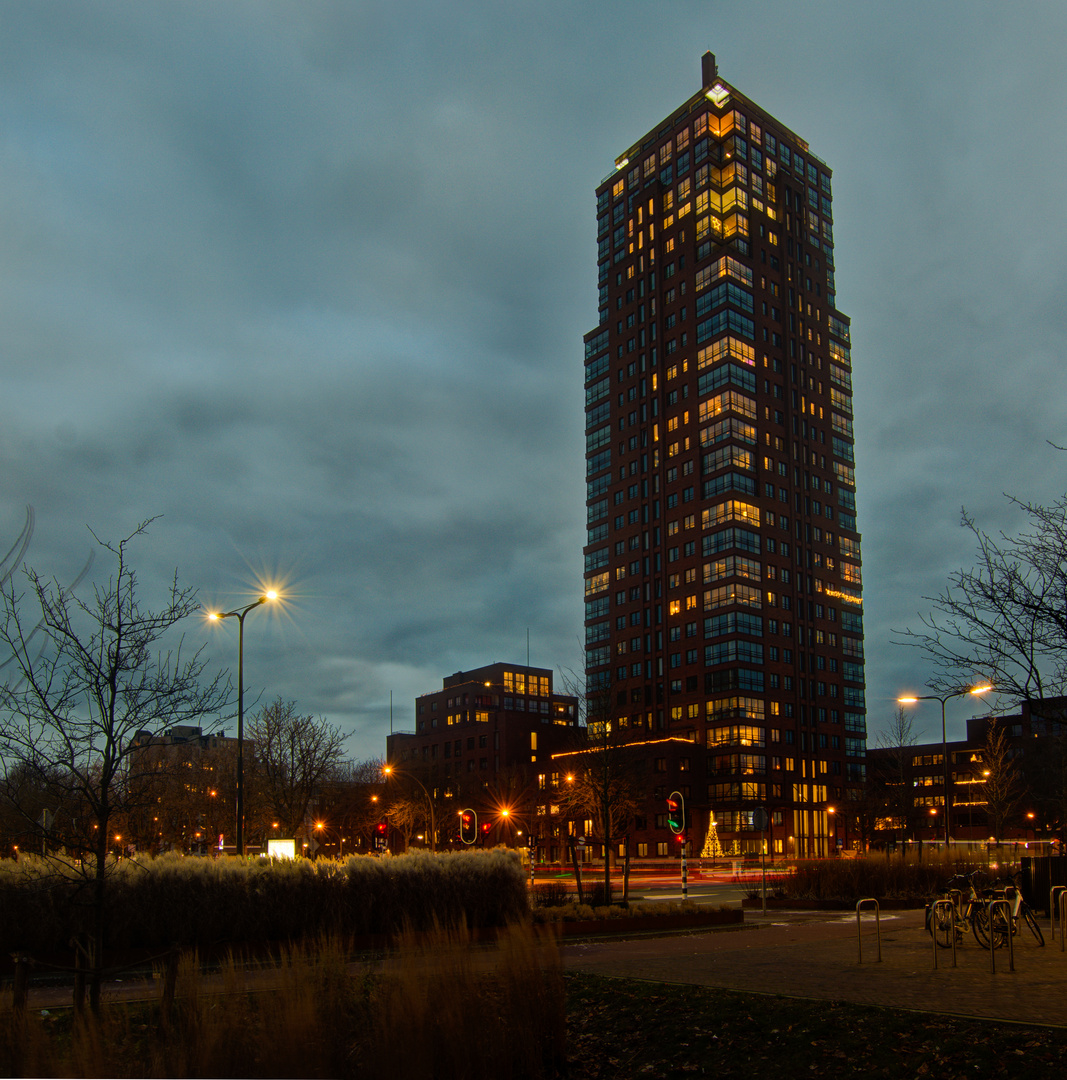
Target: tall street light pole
[(239, 615), (391, 770), (944, 740)]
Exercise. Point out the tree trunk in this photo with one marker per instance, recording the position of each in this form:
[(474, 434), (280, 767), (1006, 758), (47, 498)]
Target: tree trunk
[(96, 938), (607, 854)]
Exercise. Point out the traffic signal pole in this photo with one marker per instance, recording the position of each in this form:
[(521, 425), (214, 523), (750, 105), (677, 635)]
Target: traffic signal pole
[(676, 822), (685, 870)]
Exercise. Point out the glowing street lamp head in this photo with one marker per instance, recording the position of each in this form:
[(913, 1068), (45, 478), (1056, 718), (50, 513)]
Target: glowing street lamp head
[(980, 690), (907, 700)]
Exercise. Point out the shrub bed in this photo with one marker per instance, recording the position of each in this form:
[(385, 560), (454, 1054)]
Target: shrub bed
[(893, 877)]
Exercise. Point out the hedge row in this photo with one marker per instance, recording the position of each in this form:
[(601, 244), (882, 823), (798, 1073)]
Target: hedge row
[(154, 903)]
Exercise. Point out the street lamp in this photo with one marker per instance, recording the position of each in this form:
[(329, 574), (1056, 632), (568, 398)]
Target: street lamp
[(239, 615), (944, 739), (391, 770), (320, 827)]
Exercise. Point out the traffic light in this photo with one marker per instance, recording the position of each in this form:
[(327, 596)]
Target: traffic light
[(468, 826), (381, 835), (487, 828), (676, 812)]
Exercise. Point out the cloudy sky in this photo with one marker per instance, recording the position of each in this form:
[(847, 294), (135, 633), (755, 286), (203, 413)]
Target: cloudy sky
[(309, 280)]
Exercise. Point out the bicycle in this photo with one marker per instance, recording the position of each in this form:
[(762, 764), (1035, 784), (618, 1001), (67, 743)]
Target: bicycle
[(970, 911), (1021, 912)]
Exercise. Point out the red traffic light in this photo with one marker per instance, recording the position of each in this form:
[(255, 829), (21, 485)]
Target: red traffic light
[(487, 826), (381, 828)]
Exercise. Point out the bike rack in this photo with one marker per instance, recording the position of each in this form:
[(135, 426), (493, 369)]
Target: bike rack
[(877, 926), (1056, 900), (993, 937), (933, 926)]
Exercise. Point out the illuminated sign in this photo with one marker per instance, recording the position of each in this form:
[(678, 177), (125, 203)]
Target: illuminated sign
[(281, 849)]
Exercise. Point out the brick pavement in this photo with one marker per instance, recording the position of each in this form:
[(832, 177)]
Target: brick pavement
[(795, 954), (813, 955)]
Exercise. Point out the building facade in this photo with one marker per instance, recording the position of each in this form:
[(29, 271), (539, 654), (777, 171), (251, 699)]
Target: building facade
[(722, 570), (485, 740), (1016, 792)]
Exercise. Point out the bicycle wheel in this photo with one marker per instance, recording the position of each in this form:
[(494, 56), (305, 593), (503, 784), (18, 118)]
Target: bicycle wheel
[(979, 917), (942, 925), (1027, 916), (1001, 926)]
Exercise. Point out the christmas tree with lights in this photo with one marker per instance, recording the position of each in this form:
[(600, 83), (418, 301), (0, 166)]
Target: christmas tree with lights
[(712, 847)]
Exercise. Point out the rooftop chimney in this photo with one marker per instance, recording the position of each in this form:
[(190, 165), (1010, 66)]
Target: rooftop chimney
[(708, 70)]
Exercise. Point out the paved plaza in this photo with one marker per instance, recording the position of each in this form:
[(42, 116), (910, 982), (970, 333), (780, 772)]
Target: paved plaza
[(816, 955)]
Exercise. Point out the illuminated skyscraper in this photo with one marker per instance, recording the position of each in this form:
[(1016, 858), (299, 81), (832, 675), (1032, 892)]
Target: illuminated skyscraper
[(722, 570)]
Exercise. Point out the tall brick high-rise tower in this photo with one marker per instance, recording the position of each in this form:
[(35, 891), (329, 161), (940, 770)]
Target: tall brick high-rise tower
[(722, 570)]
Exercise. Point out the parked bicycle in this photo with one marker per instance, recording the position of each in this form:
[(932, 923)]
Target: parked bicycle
[(1021, 912), (969, 911)]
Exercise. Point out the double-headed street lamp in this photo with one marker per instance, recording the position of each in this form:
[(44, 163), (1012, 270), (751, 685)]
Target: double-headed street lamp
[(984, 689), (239, 615)]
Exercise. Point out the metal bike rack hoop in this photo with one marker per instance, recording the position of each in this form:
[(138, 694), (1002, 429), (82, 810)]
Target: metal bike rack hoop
[(952, 923), (1056, 900), (877, 926), (993, 935)]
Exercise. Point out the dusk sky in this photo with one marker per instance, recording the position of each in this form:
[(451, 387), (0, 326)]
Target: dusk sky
[(310, 281)]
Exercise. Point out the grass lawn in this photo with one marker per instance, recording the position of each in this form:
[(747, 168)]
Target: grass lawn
[(623, 1029)]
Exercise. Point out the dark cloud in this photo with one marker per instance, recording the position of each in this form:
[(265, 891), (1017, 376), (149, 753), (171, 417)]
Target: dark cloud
[(310, 280)]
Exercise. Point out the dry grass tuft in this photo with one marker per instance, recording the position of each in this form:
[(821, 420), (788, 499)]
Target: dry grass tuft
[(439, 1006)]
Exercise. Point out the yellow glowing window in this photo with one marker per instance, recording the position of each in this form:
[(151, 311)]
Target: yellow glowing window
[(728, 401), (728, 595), (597, 583), (727, 348), (731, 510)]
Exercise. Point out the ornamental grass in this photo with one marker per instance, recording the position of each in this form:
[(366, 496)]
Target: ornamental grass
[(201, 902), (437, 1007)]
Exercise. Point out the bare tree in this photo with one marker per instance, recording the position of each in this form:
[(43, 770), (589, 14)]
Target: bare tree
[(293, 756), (1003, 784), (890, 776), (1005, 619), (608, 781), (352, 799), (87, 678)]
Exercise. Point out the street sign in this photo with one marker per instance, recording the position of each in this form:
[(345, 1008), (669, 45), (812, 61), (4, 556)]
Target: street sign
[(580, 841), (761, 819)]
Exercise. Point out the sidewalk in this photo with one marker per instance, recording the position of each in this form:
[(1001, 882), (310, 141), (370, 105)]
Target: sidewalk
[(815, 955)]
